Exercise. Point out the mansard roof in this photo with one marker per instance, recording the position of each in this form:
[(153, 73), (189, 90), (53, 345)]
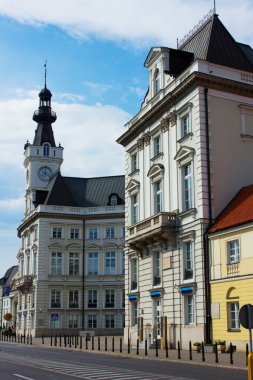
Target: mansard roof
[(213, 43), (239, 211), (6, 279), (84, 192)]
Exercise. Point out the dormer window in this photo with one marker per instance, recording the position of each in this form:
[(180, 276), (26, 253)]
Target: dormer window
[(46, 150), (113, 200), (156, 81)]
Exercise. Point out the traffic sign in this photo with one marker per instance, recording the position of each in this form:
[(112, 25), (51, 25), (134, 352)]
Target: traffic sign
[(54, 317), (246, 316)]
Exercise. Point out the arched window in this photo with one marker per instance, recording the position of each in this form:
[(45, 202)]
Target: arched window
[(46, 149), (156, 81), (114, 200)]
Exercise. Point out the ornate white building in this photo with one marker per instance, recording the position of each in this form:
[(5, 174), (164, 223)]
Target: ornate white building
[(71, 260), (188, 152)]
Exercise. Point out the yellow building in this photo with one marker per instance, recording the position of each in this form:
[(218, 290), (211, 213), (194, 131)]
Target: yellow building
[(231, 268)]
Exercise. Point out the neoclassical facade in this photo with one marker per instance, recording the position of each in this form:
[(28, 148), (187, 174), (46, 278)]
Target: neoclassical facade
[(188, 151), (71, 259)]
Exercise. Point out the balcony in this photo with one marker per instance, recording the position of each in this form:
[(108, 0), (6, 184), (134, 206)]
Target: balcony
[(233, 270), (24, 283), (158, 228)]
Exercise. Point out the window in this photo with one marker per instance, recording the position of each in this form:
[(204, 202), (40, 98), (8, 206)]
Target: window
[(46, 150), (133, 162), (28, 239), (57, 232), (134, 313), (157, 145), (55, 299), (93, 263), (22, 267), (92, 298), (188, 260), (93, 233), (35, 234), (28, 264), (56, 263), (110, 321), (110, 263), (185, 124), (233, 251), (156, 269), (134, 283), (233, 312), (156, 81), (73, 321), (187, 178), (189, 310), (73, 299), (110, 232), (114, 200), (135, 206), (123, 262), (34, 262), (92, 321), (157, 197), (74, 264), (110, 298), (123, 298), (74, 233)]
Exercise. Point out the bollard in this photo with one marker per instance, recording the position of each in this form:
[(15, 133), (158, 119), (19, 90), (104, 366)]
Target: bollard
[(55, 340), (70, 342), (15, 338), (146, 347), (31, 341), (203, 352), (137, 347), (250, 366), (247, 353), (231, 353), (68, 339), (178, 350), (156, 348), (73, 340), (216, 353), (18, 338), (60, 340), (51, 341), (92, 343), (77, 340), (128, 346), (190, 350), (42, 339), (113, 344), (120, 345), (65, 341), (99, 343), (86, 342), (167, 349), (27, 339), (105, 343)]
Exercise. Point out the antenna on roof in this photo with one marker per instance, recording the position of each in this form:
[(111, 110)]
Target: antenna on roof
[(45, 65)]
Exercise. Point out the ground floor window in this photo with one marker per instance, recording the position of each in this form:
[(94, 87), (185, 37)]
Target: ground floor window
[(189, 309), (134, 313), (233, 316), (73, 321), (110, 321), (92, 321), (55, 322)]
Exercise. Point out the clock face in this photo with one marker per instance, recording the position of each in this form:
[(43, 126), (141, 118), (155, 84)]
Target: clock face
[(45, 173)]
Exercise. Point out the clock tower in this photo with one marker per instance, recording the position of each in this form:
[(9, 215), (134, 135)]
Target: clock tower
[(43, 158)]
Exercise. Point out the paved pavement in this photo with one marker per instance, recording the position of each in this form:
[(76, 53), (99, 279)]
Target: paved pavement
[(237, 360)]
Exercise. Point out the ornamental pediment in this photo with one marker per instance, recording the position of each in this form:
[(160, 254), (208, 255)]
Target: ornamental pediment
[(184, 153), (56, 245), (156, 171), (110, 246), (74, 246), (93, 246), (133, 186)]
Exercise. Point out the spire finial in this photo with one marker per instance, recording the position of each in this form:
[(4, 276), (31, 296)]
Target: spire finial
[(45, 65), (214, 6)]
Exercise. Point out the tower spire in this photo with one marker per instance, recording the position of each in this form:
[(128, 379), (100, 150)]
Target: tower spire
[(45, 66)]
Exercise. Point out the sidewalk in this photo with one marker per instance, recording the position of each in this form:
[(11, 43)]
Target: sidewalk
[(238, 358)]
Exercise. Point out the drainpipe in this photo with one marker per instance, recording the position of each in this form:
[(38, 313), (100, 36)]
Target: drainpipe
[(206, 245), (83, 277)]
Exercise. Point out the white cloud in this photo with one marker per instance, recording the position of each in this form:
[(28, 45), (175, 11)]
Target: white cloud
[(138, 91), (12, 205), (98, 89), (141, 22)]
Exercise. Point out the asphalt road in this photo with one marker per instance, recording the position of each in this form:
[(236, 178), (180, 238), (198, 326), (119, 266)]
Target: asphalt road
[(34, 363)]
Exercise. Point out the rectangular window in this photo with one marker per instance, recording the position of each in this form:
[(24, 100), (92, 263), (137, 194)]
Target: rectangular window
[(157, 197), (185, 122), (92, 321), (110, 263), (188, 260), (34, 262), (73, 321), (135, 206), (57, 232), (110, 298), (233, 311), (156, 269), (233, 251), (56, 263), (109, 321), (157, 145), (35, 234), (93, 233), (93, 263), (74, 264), (73, 299), (134, 313), (187, 178), (92, 298), (123, 262), (110, 232), (74, 233), (134, 277), (189, 310), (55, 299), (133, 162)]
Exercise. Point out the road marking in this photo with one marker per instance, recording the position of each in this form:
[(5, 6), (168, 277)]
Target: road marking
[(22, 377)]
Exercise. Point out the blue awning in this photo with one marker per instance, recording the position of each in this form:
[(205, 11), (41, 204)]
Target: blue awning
[(132, 298), (155, 294), (186, 290)]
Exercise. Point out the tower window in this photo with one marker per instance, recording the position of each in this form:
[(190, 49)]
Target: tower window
[(46, 150)]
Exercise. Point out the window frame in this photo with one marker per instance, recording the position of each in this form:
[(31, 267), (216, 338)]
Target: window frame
[(235, 318), (110, 258), (57, 268), (233, 253), (94, 258), (74, 264), (73, 299), (92, 299)]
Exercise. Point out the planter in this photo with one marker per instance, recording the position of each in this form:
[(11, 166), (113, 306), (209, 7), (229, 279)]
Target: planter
[(197, 348), (221, 347)]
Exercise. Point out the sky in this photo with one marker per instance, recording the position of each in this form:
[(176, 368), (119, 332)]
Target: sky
[(95, 52)]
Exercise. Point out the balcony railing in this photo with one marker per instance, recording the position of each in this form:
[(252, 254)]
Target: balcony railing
[(24, 283), (109, 304), (157, 280), (188, 273), (233, 270), (157, 228)]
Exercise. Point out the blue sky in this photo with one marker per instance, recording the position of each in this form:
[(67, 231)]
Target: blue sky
[(95, 52)]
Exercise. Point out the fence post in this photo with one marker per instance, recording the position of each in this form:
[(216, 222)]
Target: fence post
[(167, 348), (120, 344), (65, 341), (216, 353), (178, 350), (86, 342), (190, 350), (231, 353), (203, 352), (137, 347)]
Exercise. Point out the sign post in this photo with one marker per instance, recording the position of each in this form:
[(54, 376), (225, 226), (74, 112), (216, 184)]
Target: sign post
[(246, 320)]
